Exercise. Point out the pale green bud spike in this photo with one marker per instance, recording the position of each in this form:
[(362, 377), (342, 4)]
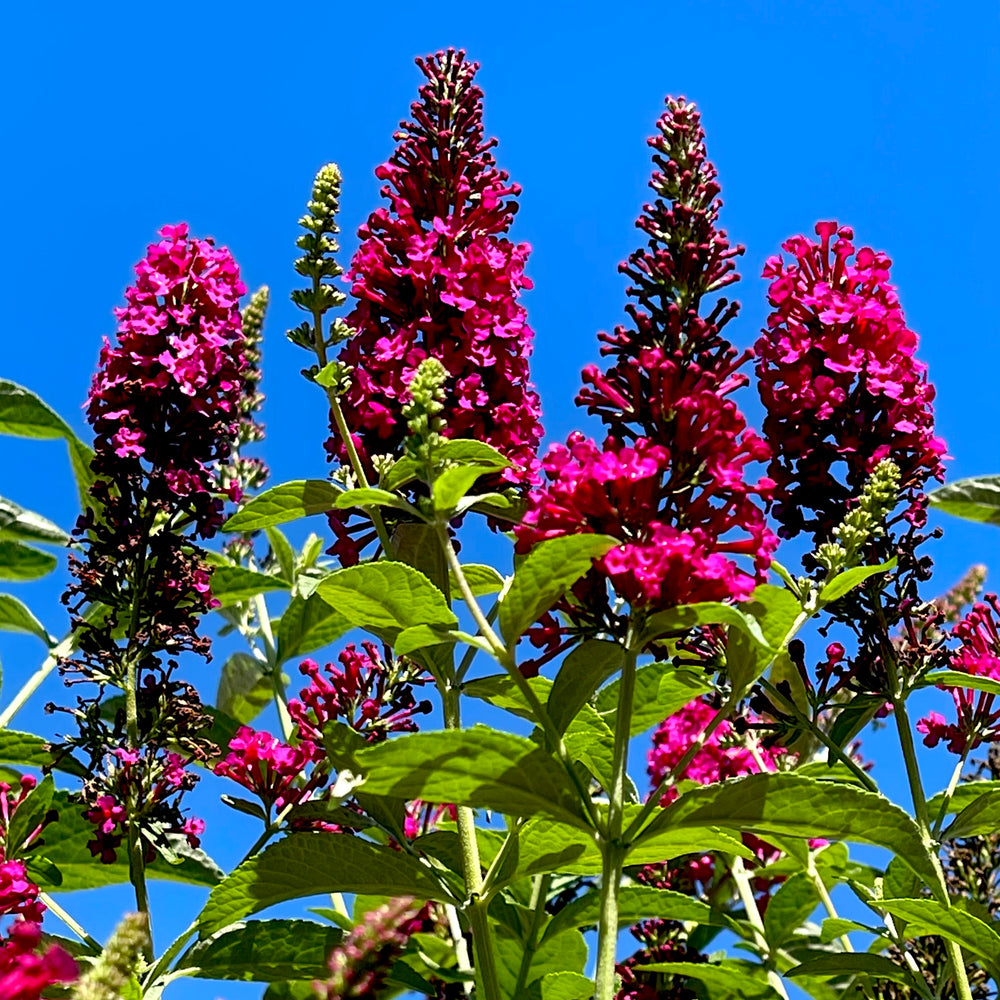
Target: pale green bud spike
[(865, 522), (253, 319), (120, 963), (427, 395)]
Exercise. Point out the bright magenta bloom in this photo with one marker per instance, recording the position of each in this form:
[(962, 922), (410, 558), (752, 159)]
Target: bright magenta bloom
[(839, 378), (977, 714), (670, 481), (435, 275), (24, 972)]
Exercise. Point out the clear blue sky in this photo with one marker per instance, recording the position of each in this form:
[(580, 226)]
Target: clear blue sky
[(122, 117)]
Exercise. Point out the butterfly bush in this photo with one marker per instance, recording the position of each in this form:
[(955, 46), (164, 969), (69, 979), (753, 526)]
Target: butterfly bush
[(840, 382), (436, 276), (670, 481)]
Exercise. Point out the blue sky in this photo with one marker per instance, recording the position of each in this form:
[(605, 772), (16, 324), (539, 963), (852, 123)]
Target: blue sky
[(120, 118)]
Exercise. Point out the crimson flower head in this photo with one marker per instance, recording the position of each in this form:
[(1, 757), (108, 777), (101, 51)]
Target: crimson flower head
[(436, 275), (977, 716), (838, 376), (670, 480), (25, 969)]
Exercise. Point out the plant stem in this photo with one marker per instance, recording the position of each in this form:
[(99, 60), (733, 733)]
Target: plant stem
[(803, 720), (949, 792), (136, 852), (953, 949), (482, 941), (613, 849), (70, 922), (503, 657), (746, 895), (539, 892), (58, 652), (825, 898), (273, 668)]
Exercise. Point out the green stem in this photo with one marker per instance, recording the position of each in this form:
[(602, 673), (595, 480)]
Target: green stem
[(319, 346), (272, 665), (71, 923), (953, 949), (802, 719), (504, 658), (948, 793), (470, 654), (825, 898), (613, 849), (539, 892), (57, 653), (136, 852), (482, 941), (745, 891)]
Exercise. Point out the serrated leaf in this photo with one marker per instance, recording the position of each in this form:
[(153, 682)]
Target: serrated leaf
[(386, 595), (567, 954), (402, 472), (26, 525), (16, 616), (844, 964), (452, 484), (307, 864), (635, 903), (660, 690), (265, 951), (835, 927), (582, 671), (373, 497), (233, 584), (963, 795), (306, 625), (726, 978), (853, 717), (979, 818), (788, 908), (282, 551), (245, 690), (851, 578), (287, 502), (564, 986), (959, 679), (478, 767), (551, 569), (928, 916), (462, 451), (481, 579), (26, 748), (23, 562), (976, 498), (788, 805), (418, 637)]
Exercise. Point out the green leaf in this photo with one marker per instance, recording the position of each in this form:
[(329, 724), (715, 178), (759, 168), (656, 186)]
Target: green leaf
[(481, 579), (23, 414), (372, 497), (568, 954), (66, 847), (729, 978), (851, 578), (963, 795), (402, 472), (835, 927), (960, 679), (788, 908), (15, 616), (30, 815), (244, 689), (788, 805), (420, 637), (452, 485), (291, 990), (854, 716), (660, 690), (980, 818), (975, 499), (233, 584), (386, 595), (265, 951), (26, 525), (589, 741), (842, 965), (582, 671), (307, 864), (22, 562), (26, 748), (564, 986), (635, 903), (282, 551), (287, 502), (930, 917), (306, 625), (462, 451), (549, 571), (477, 767)]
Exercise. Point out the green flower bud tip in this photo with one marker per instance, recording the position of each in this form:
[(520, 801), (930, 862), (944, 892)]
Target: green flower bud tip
[(426, 390), (120, 961), (253, 316)]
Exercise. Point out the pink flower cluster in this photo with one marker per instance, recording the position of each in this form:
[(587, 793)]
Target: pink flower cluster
[(169, 392), (976, 712), (434, 276), (670, 480), (25, 970), (840, 381), (366, 693)]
